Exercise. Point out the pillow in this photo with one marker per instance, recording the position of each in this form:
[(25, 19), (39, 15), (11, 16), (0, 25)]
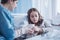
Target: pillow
[(20, 20)]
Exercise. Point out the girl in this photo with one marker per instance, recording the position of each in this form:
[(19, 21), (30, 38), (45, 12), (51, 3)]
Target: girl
[(35, 18), (36, 23)]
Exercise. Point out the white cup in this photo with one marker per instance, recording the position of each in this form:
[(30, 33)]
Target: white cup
[(30, 25)]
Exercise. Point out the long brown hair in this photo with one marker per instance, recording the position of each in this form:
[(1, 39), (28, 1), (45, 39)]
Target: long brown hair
[(40, 17)]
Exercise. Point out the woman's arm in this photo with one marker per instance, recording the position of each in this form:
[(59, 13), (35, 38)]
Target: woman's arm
[(6, 28)]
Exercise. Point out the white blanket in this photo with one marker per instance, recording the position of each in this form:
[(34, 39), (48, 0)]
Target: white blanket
[(53, 34)]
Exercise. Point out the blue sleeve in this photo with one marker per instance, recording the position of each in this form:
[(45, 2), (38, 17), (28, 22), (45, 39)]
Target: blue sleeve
[(6, 29), (2, 38)]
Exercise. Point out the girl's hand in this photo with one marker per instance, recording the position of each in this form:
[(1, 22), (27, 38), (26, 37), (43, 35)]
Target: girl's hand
[(30, 31), (38, 30)]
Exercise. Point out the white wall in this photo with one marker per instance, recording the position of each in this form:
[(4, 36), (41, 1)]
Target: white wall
[(49, 9), (56, 11), (44, 6)]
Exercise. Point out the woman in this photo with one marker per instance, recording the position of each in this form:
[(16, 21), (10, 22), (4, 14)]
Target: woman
[(6, 25)]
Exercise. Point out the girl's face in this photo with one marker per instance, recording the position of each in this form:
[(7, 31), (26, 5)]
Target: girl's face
[(34, 17)]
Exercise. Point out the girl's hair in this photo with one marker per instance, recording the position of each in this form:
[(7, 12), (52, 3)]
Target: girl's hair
[(5, 1), (40, 17)]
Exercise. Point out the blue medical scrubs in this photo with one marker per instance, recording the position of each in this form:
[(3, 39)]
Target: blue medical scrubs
[(6, 25)]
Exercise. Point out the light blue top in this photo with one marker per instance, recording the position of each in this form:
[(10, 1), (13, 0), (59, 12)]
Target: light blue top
[(6, 25)]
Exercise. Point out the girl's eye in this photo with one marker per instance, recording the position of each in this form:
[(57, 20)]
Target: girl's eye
[(32, 16), (35, 15)]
